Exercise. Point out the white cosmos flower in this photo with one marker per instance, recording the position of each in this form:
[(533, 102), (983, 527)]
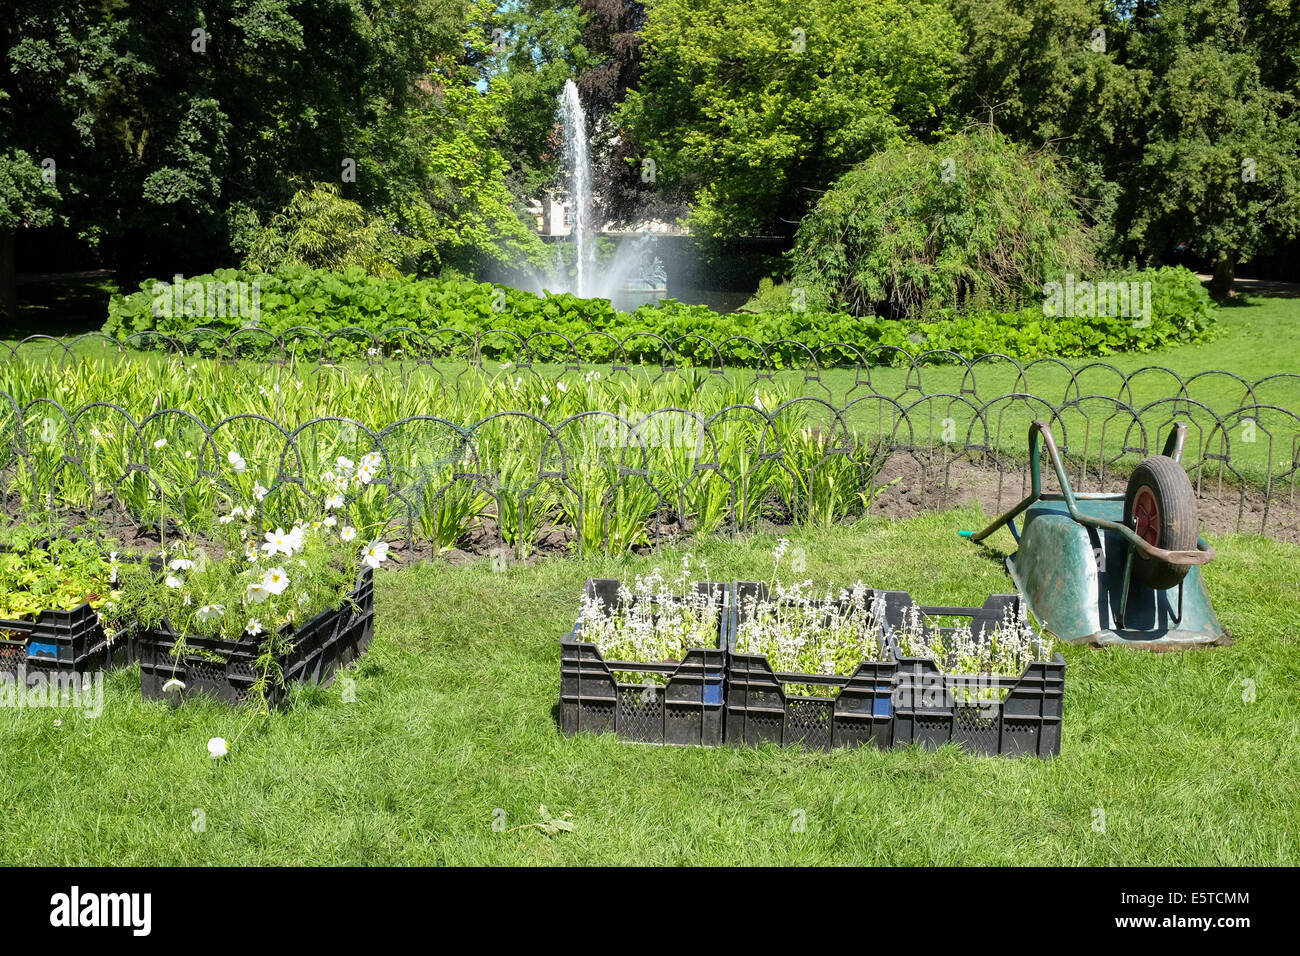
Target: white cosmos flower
[(341, 483), (257, 592), (173, 684), (226, 519), (237, 463), (173, 581), (210, 612), (277, 542), (181, 564), (364, 475), (258, 491), (160, 443), (545, 401), (375, 554), (330, 521), (372, 461), (347, 534), (254, 626), (561, 387), (275, 580), (334, 501), (294, 537), (344, 465), (217, 747)]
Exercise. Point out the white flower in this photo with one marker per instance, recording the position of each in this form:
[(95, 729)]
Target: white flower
[(226, 519), (257, 592), (237, 463), (217, 747), (277, 542), (545, 401), (364, 475), (372, 461), (561, 387), (375, 554), (173, 684), (330, 521), (275, 580), (181, 564), (344, 465), (258, 491), (173, 581), (254, 627), (188, 454), (334, 501), (160, 443), (210, 612), (294, 537), (341, 483), (347, 534)]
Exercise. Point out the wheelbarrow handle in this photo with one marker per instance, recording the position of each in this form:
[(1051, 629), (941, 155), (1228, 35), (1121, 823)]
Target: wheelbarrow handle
[(1173, 449)]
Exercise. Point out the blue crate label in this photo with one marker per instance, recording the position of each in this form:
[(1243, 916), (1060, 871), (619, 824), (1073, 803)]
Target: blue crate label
[(42, 650)]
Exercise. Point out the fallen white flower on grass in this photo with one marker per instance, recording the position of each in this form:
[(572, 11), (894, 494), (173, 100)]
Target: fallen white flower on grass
[(217, 747)]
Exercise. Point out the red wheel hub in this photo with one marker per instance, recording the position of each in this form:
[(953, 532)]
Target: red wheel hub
[(1146, 516)]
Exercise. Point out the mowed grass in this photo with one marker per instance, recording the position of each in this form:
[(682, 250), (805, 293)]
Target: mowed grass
[(454, 722)]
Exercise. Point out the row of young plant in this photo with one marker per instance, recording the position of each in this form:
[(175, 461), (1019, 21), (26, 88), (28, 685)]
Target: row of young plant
[(241, 614), (689, 661), (1181, 311), (555, 460)]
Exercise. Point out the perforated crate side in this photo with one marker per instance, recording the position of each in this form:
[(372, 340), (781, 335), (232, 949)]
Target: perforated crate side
[(759, 709)]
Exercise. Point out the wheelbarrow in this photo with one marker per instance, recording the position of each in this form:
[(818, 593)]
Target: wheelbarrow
[(1107, 569)]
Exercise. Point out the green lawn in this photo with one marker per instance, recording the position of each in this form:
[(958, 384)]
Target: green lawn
[(454, 718)]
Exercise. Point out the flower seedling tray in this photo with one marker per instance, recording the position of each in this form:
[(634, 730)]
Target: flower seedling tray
[(1022, 717), (759, 709), (228, 670), (64, 641), (687, 710)]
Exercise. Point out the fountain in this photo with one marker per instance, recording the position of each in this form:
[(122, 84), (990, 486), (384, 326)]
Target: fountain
[(634, 275)]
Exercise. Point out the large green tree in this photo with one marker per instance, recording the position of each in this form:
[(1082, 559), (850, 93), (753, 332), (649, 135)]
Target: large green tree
[(750, 110)]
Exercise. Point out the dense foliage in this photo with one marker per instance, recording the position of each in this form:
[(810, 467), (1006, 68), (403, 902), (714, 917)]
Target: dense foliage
[(1181, 311), (973, 220)]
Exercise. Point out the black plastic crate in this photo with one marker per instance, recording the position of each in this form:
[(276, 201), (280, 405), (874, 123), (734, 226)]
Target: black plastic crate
[(759, 709), (932, 707), (687, 710), (66, 641), (228, 670)]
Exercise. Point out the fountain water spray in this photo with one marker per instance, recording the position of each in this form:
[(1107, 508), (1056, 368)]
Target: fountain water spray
[(577, 161)]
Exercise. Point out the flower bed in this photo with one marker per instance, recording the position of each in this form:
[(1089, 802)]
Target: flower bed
[(984, 680), (647, 662), (58, 608), (808, 671)]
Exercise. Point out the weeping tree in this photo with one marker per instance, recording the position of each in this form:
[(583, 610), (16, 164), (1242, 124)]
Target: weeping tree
[(973, 221)]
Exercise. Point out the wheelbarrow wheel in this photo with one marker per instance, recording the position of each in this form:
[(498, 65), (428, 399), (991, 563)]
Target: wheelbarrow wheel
[(1160, 506)]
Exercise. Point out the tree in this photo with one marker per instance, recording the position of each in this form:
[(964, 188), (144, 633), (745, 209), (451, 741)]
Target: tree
[(971, 221), (751, 110), (1220, 166)]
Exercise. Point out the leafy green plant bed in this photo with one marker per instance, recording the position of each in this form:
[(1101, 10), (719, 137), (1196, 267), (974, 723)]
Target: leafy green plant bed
[(321, 301), (59, 607), (980, 677), (646, 662)]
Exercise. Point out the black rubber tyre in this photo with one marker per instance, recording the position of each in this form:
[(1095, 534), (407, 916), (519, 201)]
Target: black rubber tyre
[(1162, 496)]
